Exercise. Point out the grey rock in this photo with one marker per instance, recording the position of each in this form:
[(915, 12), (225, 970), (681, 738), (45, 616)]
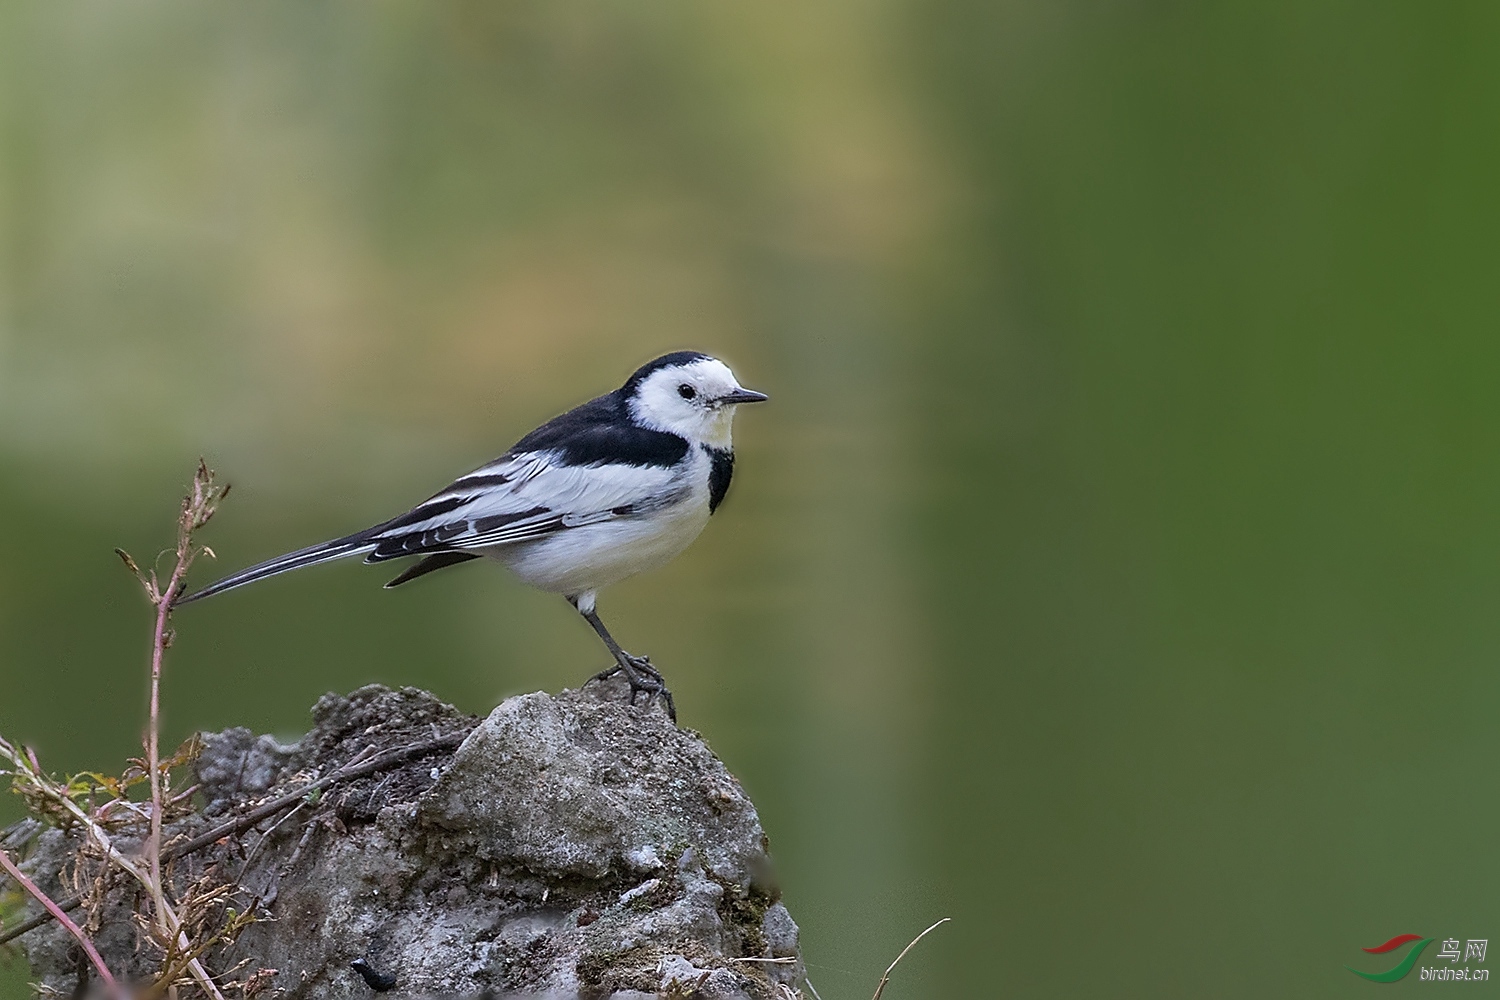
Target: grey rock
[(677, 972), (570, 846), (781, 932), (235, 764)]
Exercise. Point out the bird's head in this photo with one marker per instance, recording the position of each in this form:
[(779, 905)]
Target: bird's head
[(688, 394)]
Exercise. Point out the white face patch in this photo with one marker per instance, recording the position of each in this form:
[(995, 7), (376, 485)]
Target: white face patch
[(684, 400)]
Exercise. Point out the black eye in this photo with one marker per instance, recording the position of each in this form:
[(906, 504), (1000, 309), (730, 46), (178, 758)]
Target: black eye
[(686, 391)]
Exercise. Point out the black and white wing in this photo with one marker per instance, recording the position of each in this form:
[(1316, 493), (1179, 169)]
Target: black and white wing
[(519, 498)]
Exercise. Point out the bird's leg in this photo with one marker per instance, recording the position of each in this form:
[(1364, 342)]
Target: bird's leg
[(638, 671)]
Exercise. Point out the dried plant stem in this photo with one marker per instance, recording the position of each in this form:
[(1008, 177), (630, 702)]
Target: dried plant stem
[(61, 917), (197, 507), (887, 976), (159, 641)]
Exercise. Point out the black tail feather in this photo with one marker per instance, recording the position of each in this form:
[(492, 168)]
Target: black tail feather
[(430, 565), (310, 556)]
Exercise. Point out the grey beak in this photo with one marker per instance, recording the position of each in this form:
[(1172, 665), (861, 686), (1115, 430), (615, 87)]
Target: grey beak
[(743, 396)]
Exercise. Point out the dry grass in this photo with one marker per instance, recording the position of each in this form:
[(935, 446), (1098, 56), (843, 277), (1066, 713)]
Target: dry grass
[(181, 929), (886, 977)]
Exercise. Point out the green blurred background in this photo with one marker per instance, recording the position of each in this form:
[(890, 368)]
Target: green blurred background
[(1115, 570)]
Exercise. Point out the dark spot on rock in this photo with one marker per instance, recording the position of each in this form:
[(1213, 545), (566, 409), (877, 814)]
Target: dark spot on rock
[(380, 982)]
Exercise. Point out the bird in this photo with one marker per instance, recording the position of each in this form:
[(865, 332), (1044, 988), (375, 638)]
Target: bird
[(617, 486)]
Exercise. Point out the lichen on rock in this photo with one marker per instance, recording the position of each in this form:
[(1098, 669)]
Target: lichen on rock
[(570, 846)]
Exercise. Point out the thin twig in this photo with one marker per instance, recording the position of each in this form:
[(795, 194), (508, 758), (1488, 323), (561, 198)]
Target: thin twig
[(310, 828), (153, 749), (184, 795), (45, 917), (390, 758), (197, 507), (61, 917), (239, 879), (887, 977)]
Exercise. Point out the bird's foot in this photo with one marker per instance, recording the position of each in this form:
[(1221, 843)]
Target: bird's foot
[(643, 679), (641, 663)]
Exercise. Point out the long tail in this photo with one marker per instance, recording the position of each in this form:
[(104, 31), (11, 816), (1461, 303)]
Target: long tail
[(339, 548)]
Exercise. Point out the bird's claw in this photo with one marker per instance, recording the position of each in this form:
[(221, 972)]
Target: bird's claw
[(643, 679)]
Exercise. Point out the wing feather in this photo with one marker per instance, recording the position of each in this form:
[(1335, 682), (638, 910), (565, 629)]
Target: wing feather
[(522, 497)]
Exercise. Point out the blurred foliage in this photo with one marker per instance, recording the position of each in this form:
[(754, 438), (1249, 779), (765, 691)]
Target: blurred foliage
[(1113, 569)]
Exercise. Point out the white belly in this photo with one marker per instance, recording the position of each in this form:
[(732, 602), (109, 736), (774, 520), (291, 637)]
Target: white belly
[(576, 560)]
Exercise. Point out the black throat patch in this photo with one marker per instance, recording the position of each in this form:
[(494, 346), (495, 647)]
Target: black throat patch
[(719, 475)]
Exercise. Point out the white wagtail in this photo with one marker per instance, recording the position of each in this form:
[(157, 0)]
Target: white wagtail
[(616, 486)]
